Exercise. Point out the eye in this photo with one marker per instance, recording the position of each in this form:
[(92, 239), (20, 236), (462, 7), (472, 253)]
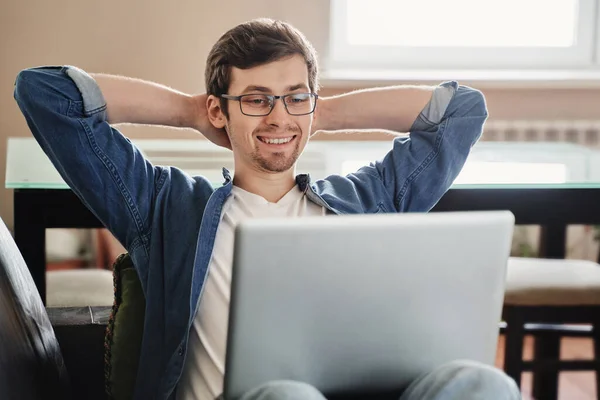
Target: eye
[(298, 98), (257, 100)]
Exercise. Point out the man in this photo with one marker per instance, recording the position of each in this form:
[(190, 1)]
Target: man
[(261, 102)]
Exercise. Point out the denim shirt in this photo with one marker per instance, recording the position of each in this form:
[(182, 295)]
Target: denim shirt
[(167, 220)]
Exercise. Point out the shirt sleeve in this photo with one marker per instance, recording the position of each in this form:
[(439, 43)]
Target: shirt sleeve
[(421, 166), (66, 112)]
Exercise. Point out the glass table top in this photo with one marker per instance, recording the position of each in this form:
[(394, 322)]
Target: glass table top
[(492, 165)]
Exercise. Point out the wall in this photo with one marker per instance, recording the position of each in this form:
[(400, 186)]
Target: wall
[(168, 42)]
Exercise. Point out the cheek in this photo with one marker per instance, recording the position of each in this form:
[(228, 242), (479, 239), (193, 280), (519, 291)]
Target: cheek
[(241, 131), (306, 126)]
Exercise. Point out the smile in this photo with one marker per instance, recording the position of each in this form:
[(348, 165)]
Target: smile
[(276, 140)]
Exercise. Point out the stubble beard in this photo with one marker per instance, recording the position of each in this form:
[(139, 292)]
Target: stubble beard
[(278, 161)]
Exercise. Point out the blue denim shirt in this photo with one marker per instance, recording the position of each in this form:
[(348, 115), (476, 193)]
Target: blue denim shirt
[(167, 220)]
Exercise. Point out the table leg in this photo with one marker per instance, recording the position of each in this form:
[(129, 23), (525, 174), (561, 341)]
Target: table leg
[(30, 237), (545, 383), (553, 241)]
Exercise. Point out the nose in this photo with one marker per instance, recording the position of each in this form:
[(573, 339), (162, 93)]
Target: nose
[(279, 114)]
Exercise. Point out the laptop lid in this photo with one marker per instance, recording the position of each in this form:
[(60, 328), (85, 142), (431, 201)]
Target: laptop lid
[(364, 303)]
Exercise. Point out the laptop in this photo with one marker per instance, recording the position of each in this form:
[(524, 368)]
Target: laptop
[(364, 303)]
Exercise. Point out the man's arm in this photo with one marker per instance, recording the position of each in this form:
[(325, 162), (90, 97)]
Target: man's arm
[(390, 108), (136, 101), (419, 168), (66, 111)]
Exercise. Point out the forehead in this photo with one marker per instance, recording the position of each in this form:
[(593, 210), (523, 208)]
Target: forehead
[(277, 75)]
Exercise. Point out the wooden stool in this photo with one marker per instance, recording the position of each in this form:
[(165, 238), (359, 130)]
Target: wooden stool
[(542, 297), (79, 288)]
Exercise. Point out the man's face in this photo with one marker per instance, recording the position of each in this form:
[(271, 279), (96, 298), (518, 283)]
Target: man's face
[(249, 134)]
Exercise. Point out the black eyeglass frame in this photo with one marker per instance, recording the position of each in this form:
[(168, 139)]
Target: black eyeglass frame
[(272, 98)]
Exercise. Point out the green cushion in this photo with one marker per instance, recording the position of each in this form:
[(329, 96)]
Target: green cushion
[(123, 338)]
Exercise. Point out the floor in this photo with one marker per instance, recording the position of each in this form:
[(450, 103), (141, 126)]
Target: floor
[(572, 385)]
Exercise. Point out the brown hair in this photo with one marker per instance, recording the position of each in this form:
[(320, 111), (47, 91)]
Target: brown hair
[(254, 43)]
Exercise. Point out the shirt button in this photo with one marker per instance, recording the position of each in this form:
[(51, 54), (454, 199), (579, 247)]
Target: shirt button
[(180, 351)]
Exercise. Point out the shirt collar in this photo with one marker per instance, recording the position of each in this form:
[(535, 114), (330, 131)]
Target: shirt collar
[(302, 180)]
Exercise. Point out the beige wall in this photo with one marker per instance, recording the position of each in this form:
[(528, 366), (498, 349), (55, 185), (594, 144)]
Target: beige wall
[(168, 42)]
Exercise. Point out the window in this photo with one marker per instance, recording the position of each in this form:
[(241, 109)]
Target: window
[(464, 34)]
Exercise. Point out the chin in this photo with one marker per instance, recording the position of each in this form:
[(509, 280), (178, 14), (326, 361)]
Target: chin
[(276, 167)]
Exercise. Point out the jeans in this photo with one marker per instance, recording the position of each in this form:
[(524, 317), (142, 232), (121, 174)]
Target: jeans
[(457, 380)]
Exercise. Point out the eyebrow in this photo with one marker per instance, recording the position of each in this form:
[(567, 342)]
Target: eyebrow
[(296, 87), (264, 89)]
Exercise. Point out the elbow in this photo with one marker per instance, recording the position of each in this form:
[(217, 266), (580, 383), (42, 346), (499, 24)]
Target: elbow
[(25, 91), (470, 103), (29, 77), (31, 82), (44, 87), (479, 108), (26, 75), (28, 84), (21, 87)]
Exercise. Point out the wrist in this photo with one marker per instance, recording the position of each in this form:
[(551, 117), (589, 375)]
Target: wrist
[(192, 111), (320, 121)]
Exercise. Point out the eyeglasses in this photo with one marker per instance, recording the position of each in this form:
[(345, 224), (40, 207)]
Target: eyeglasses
[(260, 105)]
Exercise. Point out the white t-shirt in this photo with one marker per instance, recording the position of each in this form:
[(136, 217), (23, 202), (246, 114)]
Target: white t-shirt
[(204, 368)]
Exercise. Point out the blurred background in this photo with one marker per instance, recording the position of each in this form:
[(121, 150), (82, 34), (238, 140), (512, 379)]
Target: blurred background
[(536, 62)]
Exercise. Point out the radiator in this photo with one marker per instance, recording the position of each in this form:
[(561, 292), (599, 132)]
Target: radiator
[(584, 132)]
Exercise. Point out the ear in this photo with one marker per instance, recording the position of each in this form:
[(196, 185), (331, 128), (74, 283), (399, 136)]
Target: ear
[(215, 113)]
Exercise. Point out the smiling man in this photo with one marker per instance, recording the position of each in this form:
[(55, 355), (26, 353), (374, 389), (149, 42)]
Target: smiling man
[(267, 131), (261, 102)]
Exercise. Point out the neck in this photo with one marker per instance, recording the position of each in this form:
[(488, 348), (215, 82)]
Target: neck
[(271, 186)]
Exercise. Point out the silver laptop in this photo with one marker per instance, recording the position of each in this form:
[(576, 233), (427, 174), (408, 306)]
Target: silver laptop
[(364, 303)]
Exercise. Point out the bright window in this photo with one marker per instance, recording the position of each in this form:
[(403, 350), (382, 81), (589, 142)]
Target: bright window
[(463, 34)]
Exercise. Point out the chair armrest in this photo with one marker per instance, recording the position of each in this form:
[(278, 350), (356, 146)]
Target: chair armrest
[(80, 334)]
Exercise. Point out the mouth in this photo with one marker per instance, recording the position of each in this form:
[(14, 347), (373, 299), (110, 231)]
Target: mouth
[(279, 142)]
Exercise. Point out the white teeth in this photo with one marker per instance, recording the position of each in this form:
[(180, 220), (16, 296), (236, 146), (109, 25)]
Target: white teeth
[(276, 141)]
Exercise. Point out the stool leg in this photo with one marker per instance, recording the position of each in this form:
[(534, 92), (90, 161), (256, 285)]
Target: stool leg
[(596, 339), (513, 345), (545, 382)]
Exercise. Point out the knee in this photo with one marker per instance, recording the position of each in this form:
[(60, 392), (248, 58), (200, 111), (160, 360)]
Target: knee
[(289, 390), (471, 376)]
